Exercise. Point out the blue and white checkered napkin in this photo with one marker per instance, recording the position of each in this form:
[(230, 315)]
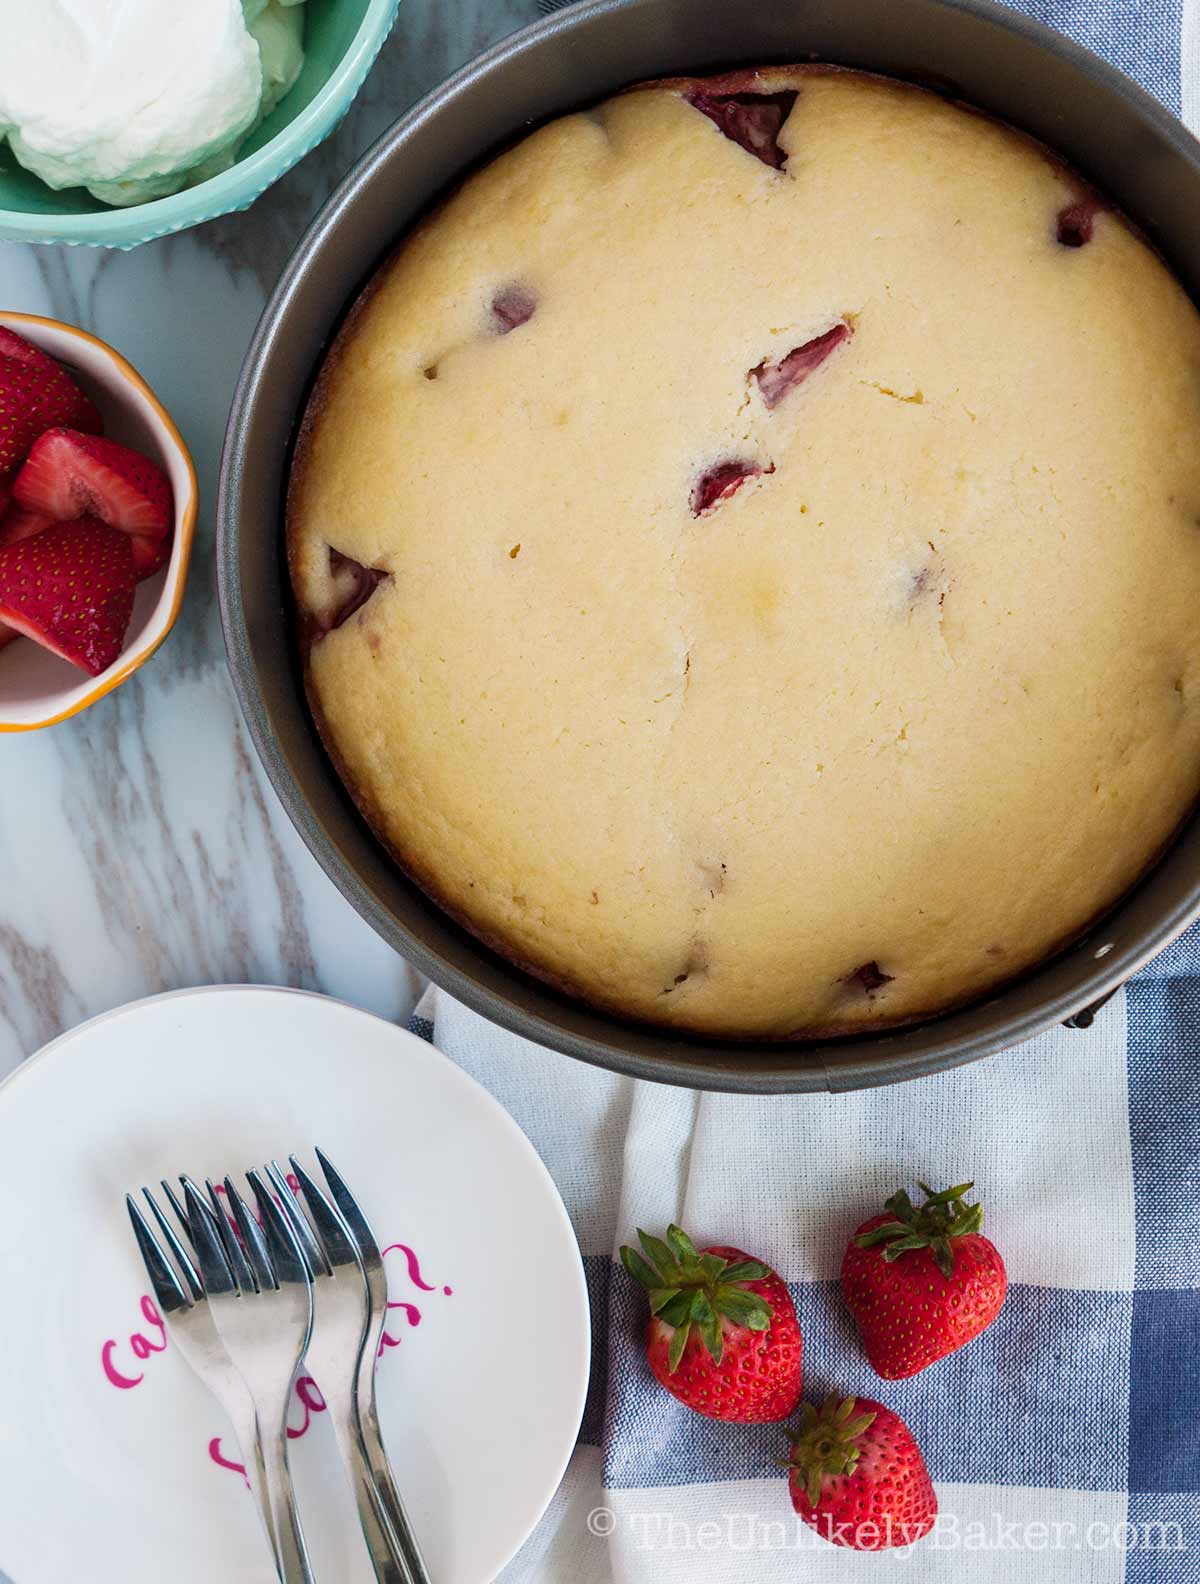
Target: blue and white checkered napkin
[(1064, 1442)]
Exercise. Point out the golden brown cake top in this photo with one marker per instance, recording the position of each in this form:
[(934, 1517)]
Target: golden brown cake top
[(751, 534)]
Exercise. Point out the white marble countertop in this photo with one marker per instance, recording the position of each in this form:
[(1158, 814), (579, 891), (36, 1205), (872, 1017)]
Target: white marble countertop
[(141, 848)]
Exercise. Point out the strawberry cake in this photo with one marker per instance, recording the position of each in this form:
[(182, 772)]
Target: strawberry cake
[(747, 552)]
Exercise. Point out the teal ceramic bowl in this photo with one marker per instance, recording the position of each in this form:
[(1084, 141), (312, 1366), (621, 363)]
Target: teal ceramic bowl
[(341, 40)]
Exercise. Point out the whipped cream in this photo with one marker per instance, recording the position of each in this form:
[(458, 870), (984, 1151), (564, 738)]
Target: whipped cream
[(137, 98)]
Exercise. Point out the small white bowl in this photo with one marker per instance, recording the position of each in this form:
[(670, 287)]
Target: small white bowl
[(38, 688)]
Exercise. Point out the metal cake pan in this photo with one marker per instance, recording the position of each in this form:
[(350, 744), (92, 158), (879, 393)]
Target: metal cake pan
[(998, 60)]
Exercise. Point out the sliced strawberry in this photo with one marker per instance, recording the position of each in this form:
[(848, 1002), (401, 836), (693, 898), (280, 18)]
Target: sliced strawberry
[(148, 554), (15, 346), (70, 589), (720, 482), (776, 380), (869, 977), (17, 524), (36, 395), (752, 120), (75, 475), (353, 583), (1077, 221), (512, 306)]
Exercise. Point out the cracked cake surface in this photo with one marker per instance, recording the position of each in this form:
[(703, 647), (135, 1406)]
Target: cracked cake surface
[(747, 547)]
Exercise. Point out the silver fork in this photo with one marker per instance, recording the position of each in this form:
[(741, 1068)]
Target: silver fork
[(341, 1313), (370, 1436), (190, 1322), (262, 1299)]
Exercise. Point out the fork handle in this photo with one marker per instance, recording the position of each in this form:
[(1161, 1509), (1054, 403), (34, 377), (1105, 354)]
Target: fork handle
[(291, 1553), (392, 1508), (240, 1408), (386, 1558)]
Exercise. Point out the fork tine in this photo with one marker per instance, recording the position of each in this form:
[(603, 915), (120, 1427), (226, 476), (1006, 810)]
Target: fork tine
[(173, 1201), (206, 1240), (230, 1243), (348, 1205), (287, 1258), (168, 1293), (255, 1247), (181, 1254), (314, 1254), (335, 1235)]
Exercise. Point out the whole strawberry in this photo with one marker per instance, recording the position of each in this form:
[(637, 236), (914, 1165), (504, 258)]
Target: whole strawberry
[(922, 1282), (857, 1476), (722, 1335)]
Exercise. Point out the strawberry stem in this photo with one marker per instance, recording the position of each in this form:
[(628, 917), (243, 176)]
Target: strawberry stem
[(826, 1442), (944, 1215), (691, 1291)]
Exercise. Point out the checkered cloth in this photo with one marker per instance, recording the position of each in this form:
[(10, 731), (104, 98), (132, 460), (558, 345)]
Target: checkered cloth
[(1065, 1442)]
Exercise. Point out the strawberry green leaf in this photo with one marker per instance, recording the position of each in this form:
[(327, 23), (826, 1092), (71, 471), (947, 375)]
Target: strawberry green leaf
[(709, 1327), (744, 1308), (883, 1233), (853, 1428), (812, 1485), (638, 1269), (677, 1311), (947, 1195), (660, 1297), (682, 1246), (900, 1205), (661, 1258), (844, 1409), (713, 1267), (713, 1340), (678, 1343), (943, 1256), (745, 1270), (914, 1240), (970, 1222)]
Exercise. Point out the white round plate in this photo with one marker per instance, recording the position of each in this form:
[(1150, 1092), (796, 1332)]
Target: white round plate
[(112, 1453)]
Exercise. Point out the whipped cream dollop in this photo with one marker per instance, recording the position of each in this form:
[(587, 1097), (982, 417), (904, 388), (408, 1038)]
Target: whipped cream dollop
[(135, 99)]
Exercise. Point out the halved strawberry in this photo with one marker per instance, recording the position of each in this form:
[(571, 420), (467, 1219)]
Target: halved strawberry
[(7, 633), (35, 395), (149, 554), (17, 524), (69, 474), (70, 588)]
